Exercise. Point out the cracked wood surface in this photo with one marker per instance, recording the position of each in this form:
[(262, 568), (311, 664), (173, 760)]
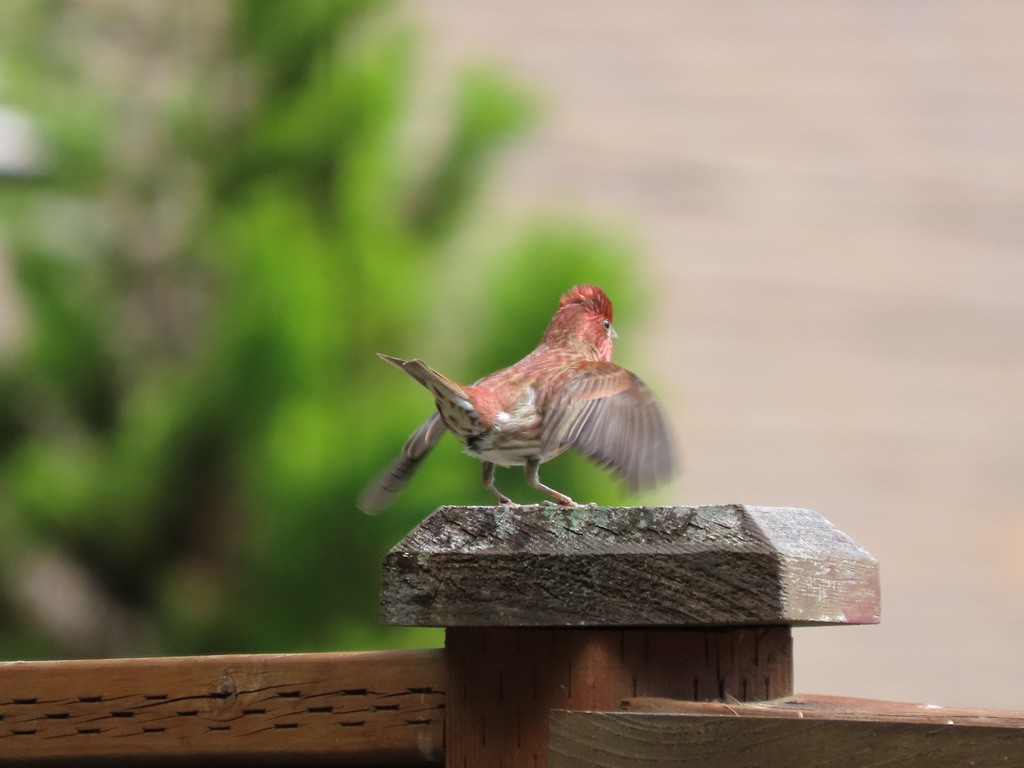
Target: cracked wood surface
[(347, 708), (627, 566)]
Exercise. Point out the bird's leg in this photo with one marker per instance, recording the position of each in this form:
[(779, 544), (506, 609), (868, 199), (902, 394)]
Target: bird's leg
[(488, 478), (533, 480)]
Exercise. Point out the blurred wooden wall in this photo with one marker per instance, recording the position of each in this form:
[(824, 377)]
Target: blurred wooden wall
[(831, 201)]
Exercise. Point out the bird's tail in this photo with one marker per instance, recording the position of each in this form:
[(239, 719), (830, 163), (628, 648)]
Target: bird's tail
[(391, 481), (440, 386), (379, 494)]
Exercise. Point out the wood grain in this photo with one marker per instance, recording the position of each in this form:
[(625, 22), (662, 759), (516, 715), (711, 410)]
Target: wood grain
[(503, 682), (627, 566), (351, 708), (636, 740)]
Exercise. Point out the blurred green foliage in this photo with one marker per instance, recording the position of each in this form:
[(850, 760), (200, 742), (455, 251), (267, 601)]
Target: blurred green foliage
[(230, 224)]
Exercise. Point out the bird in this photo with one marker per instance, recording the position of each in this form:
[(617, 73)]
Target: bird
[(565, 394)]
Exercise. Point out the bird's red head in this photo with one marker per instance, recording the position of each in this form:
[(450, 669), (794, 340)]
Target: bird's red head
[(583, 320), (591, 297)]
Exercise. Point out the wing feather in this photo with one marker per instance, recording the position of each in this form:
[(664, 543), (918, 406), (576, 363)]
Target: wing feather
[(388, 483), (609, 415)]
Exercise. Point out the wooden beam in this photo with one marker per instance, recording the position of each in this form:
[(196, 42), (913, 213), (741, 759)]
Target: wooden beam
[(375, 708), (755, 736)]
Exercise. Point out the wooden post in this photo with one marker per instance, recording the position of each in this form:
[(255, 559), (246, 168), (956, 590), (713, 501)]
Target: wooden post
[(552, 608)]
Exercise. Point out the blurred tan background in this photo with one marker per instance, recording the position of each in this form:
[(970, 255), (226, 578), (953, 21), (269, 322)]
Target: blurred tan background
[(832, 198)]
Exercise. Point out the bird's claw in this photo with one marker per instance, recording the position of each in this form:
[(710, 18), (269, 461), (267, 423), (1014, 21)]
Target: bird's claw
[(567, 502)]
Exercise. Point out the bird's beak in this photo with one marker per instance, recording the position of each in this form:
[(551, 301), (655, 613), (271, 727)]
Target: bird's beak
[(611, 333)]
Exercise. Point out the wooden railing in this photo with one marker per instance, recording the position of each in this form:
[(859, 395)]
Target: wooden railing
[(583, 637), (356, 708)]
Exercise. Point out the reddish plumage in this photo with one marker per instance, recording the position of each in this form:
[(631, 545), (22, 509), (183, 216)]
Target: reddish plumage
[(565, 394)]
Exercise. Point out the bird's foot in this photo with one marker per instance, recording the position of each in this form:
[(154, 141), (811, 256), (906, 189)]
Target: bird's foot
[(505, 501), (569, 503)]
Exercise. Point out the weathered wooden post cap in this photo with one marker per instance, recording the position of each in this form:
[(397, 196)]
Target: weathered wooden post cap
[(542, 566)]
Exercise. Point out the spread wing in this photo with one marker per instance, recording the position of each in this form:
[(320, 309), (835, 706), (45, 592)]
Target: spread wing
[(388, 483), (609, 415)]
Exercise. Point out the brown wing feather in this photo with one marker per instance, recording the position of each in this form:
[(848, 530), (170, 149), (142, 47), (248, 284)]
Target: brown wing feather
[(609, 415), (388, 483)]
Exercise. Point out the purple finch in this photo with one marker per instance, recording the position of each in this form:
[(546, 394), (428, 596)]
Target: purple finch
[(567, 393)]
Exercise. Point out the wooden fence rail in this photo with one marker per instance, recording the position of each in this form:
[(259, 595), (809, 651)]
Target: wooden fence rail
[(381, 708), (726, 736)]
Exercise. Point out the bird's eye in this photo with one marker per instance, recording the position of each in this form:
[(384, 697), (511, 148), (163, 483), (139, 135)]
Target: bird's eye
[(607, 324)]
